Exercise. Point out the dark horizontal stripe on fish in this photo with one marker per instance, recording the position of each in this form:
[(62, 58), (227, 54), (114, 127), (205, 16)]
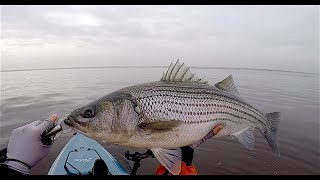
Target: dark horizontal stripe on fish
[(210, 120), (205, 105), (210, 98), (220, 105), (175, 111), (191, 89), (217, 91), (211, 105), (219, 94)]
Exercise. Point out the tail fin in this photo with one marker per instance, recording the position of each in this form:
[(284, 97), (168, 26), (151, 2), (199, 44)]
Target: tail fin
[(271, 131)]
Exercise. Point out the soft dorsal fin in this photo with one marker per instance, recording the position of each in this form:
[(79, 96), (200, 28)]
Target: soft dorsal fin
[(227, 85), (181, 73)]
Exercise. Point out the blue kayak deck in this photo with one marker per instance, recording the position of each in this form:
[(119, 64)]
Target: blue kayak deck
[(79, 155)]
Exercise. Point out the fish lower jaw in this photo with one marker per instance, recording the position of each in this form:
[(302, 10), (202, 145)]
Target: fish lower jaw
[(79, 130), (76, 125)]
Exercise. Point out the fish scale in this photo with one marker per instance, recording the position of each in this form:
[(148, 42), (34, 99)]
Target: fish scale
[(174, 102), (218, 96)]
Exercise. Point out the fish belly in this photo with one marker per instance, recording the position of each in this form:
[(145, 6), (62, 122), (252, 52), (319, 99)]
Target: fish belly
[(183, 135)]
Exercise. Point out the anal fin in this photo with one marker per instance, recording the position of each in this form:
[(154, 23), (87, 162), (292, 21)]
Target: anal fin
[(169, 158)]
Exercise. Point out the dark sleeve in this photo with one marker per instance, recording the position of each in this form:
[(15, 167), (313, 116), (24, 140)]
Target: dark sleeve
[(187, 155), (4, 170)]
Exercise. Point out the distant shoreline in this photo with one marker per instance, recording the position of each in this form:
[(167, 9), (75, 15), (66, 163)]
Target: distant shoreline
[(133, 67)]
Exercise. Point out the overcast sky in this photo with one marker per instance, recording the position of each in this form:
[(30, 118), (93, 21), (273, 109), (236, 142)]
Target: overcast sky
[(268, 37)]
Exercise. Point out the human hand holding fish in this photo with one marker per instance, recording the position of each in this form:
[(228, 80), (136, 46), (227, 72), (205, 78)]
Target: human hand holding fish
[(26, 146)]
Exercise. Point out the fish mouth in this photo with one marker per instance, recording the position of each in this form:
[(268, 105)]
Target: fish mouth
[(75, 124), (68, 122)]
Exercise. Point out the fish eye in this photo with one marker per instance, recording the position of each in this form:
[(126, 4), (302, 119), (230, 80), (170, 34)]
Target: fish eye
[(88, 113)]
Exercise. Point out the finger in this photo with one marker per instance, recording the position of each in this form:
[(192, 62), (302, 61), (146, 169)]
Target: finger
[(217, 129), (47, 123), (54, 118)]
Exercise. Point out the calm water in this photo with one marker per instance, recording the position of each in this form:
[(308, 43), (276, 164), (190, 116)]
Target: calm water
[(31, 95)]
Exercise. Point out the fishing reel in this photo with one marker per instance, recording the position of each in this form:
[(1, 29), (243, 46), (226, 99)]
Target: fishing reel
[(136, 158)]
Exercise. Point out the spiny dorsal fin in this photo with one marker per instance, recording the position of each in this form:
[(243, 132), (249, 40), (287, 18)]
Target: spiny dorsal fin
[(181, 73), (227, 85)]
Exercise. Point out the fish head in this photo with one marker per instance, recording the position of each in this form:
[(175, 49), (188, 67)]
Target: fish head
[(93, 119), (111, 119)]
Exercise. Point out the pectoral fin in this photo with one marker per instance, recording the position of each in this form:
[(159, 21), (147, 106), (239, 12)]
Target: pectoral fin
[(159, 125)]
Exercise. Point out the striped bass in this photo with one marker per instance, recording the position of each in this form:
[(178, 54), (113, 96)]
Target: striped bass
[(177, 111)]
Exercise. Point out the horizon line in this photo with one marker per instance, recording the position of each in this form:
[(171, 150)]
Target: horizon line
[(194, 67)]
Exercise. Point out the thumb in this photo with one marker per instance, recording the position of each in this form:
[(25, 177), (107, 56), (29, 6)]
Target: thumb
[(53, 118), (48, 123), (217, 129)]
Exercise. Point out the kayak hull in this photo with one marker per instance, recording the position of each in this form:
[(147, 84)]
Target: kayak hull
[(78, 157)]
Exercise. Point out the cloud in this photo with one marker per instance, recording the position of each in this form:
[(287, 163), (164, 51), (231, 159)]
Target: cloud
[(71, 19), (237, 36)]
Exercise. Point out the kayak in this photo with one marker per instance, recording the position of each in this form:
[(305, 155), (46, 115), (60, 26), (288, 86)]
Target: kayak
[(78, 157)]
